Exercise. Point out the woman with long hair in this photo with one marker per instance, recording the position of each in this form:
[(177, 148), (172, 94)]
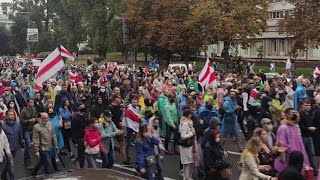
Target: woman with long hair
[(250, 162), (187, 152), (267, 154), (66, 116), (146, 157)]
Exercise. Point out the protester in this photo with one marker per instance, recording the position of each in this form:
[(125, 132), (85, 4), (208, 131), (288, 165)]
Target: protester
[(108, 129), (44, 138), (187, 155), (146, 159), (28, 118), (93, 142), (250, 164), (294, 168), (14, 134)]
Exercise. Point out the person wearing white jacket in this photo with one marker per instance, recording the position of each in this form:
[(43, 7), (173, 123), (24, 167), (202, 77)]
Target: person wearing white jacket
[(4, 145)]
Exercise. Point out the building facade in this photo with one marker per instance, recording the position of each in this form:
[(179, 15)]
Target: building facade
[(273, 44)]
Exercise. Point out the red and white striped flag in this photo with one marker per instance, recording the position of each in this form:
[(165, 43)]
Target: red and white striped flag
[(49, 67), (65, 53), (131, 119), (207, 75)]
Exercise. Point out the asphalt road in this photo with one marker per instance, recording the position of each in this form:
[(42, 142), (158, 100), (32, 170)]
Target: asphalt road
[(170, 164)]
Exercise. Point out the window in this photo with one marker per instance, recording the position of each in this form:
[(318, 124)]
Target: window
[(277, 15), (274, 45), (282, 46)]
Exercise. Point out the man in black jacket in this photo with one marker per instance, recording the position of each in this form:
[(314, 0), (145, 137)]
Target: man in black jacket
[(78, 124), (37, 103), (63, 94)]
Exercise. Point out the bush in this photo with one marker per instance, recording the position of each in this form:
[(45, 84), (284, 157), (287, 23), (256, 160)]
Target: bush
[(86, 50)]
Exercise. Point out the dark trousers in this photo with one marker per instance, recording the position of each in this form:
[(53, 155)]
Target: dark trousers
[(9, 167), (309, 146), (107, 159), (169, 131), (66, 138), (81, 149), (129, 138), (45, 160)]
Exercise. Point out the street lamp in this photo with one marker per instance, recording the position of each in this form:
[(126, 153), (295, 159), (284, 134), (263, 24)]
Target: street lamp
[(28, 14)]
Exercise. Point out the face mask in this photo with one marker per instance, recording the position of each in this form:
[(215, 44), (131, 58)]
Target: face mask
[(44, 123), (51, 115), (295, 118), (156, 127), (217, 139), (269, 127), (209, 106), (234, 97), (83, 110), (277, 96), (191, 88), (103, 90)]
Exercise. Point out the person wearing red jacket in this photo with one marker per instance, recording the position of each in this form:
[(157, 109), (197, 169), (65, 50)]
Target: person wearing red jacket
[(92, 141)]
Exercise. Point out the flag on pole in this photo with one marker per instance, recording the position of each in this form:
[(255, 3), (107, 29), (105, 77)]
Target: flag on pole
[(207, 75), (49, 67), (65, 53)]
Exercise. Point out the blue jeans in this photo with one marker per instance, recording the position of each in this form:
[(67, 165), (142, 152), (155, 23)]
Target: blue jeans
[(45, 160), (129, 138), (27, 135), (9, 167), (149, 173), (107, 159), (91, 160), (159, 175)]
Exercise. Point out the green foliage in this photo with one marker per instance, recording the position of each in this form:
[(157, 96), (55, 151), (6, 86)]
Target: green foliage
[(5, 48), (86, 50), (44, 54), (260, 52)]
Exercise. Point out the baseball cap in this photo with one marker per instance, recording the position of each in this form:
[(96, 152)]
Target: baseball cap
[(7, 88), (107, 113), (265, 121)]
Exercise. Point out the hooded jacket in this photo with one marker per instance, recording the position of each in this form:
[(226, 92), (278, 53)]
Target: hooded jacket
[(229, 107), (14, 135)]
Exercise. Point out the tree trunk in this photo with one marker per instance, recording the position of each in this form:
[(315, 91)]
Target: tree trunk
[(146, 56), (135, 56), (225, 54)]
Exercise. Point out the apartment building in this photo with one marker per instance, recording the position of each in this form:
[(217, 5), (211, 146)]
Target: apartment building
[(274, 45)]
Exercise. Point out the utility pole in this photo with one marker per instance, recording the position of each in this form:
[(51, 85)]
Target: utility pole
[(29, 48)]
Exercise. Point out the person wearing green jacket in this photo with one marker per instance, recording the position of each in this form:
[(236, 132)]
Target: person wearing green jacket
[(171, 123), (109, 129), (195, 83)]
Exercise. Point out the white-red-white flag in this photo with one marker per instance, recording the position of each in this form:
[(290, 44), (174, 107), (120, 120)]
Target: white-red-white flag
[(131, 118), (49, 67), (207, 75), (65, 53)]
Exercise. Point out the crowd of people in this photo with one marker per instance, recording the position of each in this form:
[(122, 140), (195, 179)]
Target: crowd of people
[(275, 122)]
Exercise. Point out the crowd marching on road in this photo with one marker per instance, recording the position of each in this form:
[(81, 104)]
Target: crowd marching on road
[(85, 113)]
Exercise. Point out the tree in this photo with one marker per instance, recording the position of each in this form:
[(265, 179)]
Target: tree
[(186, 26), (230, 21), (99, 16), (5, 48), (302, 24)]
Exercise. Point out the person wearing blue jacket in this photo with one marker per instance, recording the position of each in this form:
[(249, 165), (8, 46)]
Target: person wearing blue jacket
[(144, 149), (14, 134), (56, 124), (66, 115), (230, 124), (300, 93), (207, 111)]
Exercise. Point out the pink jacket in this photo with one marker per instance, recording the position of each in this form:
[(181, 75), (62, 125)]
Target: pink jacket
[(92, 139)]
